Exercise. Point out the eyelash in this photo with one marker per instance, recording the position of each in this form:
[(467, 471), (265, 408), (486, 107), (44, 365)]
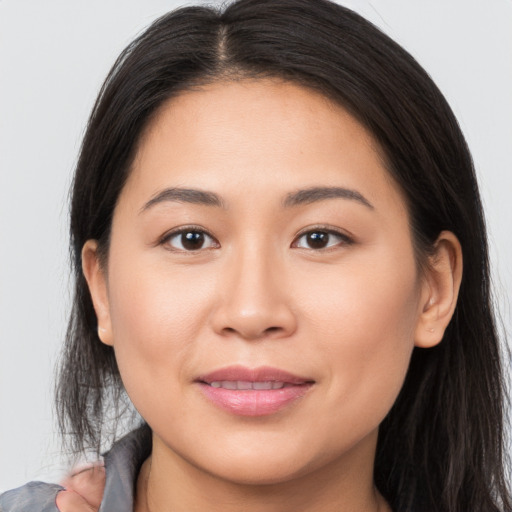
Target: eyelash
[(327, 230)]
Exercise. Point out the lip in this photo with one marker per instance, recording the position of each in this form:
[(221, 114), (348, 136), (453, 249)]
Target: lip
[(253, 402)]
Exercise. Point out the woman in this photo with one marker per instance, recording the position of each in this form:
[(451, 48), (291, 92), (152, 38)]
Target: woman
[(271, 214)]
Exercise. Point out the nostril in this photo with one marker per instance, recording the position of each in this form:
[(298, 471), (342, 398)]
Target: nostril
[(252, 334), (264, 321)]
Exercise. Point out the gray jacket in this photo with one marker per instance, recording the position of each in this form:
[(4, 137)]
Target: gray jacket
[(122, 465)]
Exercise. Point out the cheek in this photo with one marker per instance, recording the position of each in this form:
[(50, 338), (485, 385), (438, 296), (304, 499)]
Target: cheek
[(156, 317), (363, 319)]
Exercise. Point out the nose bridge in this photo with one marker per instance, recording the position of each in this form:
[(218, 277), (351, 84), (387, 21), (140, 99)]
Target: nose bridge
[(255, 301), (253, 270)]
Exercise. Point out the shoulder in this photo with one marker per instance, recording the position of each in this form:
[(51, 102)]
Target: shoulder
[(31, 497), (122, 464)]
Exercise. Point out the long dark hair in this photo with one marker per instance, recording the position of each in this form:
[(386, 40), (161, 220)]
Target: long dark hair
[(441, 446)]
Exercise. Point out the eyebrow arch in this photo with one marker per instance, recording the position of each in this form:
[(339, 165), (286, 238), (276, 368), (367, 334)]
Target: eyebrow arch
[(314, 194), (184, 195)]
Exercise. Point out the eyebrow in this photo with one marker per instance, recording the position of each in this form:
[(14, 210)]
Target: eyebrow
[(300, 197), (184, 195), (314, 194)]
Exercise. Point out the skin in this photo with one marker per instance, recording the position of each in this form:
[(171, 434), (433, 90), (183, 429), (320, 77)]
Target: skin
[(84, 490), (257, 293)]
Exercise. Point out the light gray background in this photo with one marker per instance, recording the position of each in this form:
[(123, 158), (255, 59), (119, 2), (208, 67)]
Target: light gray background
[(54, 55)]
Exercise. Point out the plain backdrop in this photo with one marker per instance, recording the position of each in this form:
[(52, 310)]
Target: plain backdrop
[(54, 55)]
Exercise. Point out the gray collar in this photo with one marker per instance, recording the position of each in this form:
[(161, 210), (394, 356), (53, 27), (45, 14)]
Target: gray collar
[(122, 465)]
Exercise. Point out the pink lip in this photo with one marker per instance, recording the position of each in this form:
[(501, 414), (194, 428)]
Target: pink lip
[(253, 402)]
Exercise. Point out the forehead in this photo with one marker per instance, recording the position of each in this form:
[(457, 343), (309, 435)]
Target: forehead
[(263, 135)]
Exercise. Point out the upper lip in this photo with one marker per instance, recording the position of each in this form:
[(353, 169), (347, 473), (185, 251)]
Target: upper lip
[(260, 374)]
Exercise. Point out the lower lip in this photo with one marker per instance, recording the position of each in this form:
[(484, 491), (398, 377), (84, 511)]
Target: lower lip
[(254, 402)]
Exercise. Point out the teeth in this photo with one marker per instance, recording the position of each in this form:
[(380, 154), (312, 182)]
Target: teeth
[(245, 385), (262, 385)]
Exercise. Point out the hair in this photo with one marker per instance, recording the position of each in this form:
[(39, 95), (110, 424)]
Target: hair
[(441, 447)]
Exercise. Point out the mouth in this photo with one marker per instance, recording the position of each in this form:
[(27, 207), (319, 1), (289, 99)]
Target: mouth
[(253, 392), (244, 385)]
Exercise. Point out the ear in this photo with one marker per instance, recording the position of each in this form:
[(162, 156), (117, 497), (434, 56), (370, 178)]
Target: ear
[(97, 282), (440, 290)]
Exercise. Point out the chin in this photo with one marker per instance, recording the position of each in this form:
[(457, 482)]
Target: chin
[(260, 472), (257, 464)]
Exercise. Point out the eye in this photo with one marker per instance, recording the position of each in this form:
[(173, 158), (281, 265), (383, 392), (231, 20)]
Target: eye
[(318, 239), (189, 239)]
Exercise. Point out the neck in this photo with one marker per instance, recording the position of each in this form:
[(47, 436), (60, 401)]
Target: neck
[(167, 483)]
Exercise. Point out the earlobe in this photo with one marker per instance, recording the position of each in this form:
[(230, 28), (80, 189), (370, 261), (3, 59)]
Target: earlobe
[(97, 283), (440, 290)]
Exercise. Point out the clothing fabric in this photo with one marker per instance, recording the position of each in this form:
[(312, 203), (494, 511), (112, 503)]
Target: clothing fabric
[(122, 465)]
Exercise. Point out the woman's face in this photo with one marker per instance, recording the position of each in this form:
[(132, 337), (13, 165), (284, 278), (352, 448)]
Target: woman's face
[(262, 294)]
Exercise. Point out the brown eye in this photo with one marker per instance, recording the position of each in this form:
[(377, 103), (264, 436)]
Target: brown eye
[(320, 239), (190, 240), (317, 240)]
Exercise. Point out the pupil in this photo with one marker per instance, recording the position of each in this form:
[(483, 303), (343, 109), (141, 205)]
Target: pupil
[(192, 240), (318, 240)]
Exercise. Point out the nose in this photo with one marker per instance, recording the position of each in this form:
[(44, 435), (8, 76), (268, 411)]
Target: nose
[(254, 302)]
